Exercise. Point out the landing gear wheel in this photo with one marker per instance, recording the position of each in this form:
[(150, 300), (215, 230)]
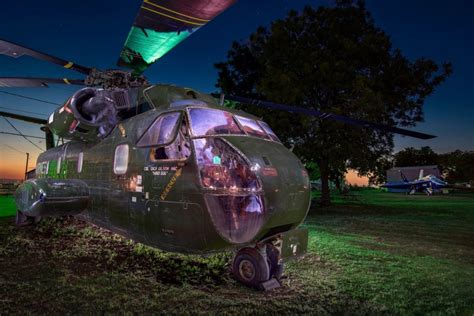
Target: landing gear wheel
[(250, 267), (273, 256), (23, 220)]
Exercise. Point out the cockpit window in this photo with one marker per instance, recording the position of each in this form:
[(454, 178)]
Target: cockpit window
[(179, 149), (251, 127), (269, 131), (207, 122), (162, 131)]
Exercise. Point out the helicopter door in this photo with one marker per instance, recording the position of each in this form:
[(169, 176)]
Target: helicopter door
[(169, 150)]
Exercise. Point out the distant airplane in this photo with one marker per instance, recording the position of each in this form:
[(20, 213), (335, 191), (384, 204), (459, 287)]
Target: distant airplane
[(426, 184)]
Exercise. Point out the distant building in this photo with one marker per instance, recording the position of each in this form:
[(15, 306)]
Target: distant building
[(8, 186), (411, 173)]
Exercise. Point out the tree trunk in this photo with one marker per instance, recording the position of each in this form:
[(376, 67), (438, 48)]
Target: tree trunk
[(337, 181), (325, 193)]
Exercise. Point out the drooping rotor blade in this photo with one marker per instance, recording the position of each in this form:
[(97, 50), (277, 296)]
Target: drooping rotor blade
[(36, 82), (16, 134), (161, 25), (330, 116), (25, 118), (15, 51)]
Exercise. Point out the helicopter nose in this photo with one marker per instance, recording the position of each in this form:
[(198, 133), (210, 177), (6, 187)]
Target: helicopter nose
[(285, 181)]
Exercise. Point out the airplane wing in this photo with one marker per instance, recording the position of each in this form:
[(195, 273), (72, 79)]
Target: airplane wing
[(405, 185), (161, 25)]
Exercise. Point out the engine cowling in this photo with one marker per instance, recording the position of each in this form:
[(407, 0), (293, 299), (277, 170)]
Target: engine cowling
[(89, 115)]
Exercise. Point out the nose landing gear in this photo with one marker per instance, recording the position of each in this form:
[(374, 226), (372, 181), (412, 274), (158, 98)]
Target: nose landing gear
[(258, 266)]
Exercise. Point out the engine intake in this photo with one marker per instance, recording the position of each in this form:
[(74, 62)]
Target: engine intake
[(89, 115)]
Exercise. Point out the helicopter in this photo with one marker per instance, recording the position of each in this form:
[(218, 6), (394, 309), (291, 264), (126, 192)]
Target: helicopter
[(169, 166)]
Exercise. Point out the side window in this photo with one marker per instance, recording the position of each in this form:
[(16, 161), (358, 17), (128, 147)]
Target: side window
[(269, 131), (80, 158), (121, 159), (42, 168), (251, 127), (162, 131), (180, 149)]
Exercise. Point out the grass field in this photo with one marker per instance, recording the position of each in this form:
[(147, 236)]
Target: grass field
[(372, 252), (7, 206)]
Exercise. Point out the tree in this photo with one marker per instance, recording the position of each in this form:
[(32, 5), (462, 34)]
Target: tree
[(457, 166), (335, 60), (313, 170), (410, 156)]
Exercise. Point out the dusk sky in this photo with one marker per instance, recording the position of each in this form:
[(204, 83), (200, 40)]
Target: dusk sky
[(92, 33)]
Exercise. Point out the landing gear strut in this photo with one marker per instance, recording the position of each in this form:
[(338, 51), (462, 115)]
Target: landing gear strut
[(258, 266)]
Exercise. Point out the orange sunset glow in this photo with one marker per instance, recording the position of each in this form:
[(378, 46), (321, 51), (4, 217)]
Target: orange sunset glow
[(12, 163), (13, 148), (354, 179)]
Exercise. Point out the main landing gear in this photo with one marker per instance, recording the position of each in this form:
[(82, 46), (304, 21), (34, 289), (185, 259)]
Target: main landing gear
[(258, 267), (23, 220)]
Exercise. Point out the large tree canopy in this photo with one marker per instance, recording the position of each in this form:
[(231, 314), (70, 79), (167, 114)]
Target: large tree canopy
[(410, 156), (334, 60), (457, 166)]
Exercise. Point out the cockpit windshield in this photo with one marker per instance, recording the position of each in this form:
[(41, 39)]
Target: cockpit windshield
[(208, 122)]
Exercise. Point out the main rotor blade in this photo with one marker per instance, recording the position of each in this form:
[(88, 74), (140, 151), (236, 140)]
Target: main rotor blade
[(330, 116), (25, 118), (161, 25), (22, 135), (15, 51), (36, 82)]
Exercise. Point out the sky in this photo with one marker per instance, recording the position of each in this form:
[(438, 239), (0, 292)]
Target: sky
[(92, 33)]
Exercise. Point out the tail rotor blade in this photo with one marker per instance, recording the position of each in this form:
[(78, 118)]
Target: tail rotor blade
[(15, 51), (329, 116)]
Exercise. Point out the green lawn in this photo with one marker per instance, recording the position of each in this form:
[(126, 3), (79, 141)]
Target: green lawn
[(7, 206), (371, 252)]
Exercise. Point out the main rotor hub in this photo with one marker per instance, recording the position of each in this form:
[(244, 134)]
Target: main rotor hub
[(114, 78)]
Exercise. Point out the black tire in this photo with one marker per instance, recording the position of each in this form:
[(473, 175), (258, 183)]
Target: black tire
[(20, 218), (250, 267), (276, 270), (24, 220)]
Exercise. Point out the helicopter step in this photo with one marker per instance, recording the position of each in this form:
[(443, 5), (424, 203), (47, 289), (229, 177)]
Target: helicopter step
[(50, 197), (262, 266)]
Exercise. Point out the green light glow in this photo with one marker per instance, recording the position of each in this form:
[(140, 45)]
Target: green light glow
[(153, 46)]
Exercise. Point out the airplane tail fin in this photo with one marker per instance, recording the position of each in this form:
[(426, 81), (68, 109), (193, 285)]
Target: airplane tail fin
[(420, 176), (403, 176)]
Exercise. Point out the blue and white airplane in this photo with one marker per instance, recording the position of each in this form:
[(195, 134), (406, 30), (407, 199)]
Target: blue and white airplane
[(427, 184)]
